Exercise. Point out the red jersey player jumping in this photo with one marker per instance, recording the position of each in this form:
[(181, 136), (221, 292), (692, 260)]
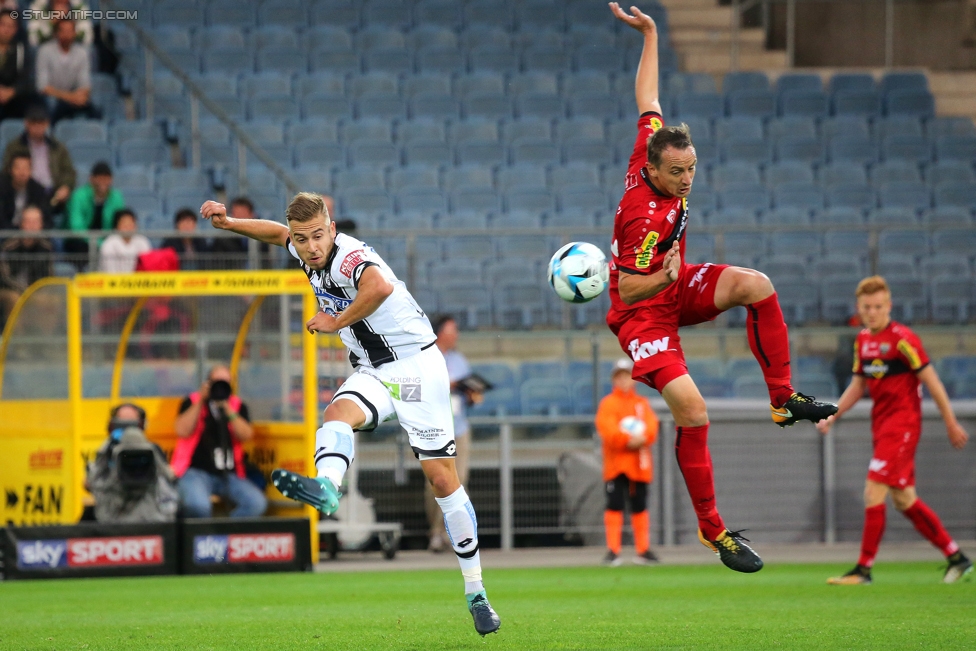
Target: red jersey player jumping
[(653, 292), (889, 360)]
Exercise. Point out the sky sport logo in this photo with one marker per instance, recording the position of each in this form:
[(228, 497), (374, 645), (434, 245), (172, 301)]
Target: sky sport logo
[(75, 14), (89, 552), (244, 548)]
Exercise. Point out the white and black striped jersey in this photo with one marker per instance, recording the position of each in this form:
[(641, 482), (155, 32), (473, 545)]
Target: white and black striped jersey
[(396, 330)]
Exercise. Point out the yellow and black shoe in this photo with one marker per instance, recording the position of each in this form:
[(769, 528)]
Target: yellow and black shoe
[(801, 407), (860, 575), (731, 548)]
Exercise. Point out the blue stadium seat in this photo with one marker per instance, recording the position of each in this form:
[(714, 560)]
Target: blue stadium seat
[(172, 179), (745, 196), (903, 125), (893, 214), (857, 150), (414, 176), (80, 130), (948, 216), (328, 36), (798, 81), (799, 300), (134, 177), (896, 265), (483, 152), (288, 13), (949, 171), (492, 58), (535, 200), (522, 175), (318, 152), (795, 126), (427, 152), (572, 175), (739, 127), (483, 200), (469, 304), (594, 104), (582, 199), (950, 126), (321, 82), (470, 177), (179, 13), (274, 36), (546, 58), (702, 105), (319, 129), (788, 171), (911, 148), (334, 59), (585, 82), (852, 195), (733, 216), (849, 126), (601, 58), (736, 81), (838, 216), (426, 200), (534, 150), (909, 299), (805, 196), (840, 242), (430, 83), (546, 398), (785, 266), (794, 148), (956, 194), (274, 107), (893, 81), (841, 172), (324, 105), (918, 103), (133, 152), (281, 60), (961, 148), (338, 13), (392, 13), (914, 242), (231, 13), (364, 177), (812, 103), (425, 130), (754, 102), (851, 81), (428, 33), (365, 200), (961, 241), (378, 37), (227, 59), (440, 13), (856, 102), (747, 150), (490, 105), (896, 171), (908, 195), (730, 175), (787, 216), (265, 83)]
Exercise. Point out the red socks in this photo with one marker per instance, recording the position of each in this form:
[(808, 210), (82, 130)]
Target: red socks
[(691, 449), (874, 526), (613, 524), (929, 525), (770, 345), (641, 523)]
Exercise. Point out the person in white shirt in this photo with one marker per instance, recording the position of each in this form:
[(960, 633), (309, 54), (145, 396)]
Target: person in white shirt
[(120, 251), (64, 75)]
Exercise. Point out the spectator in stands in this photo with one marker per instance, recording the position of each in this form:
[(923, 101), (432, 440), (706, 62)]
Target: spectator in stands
[(64, 75), (92, 206), (628, 426), (458, 369), (120, 251), (18, 190), (209, 459), (190, 249), (15, 71), (231, 252), (51, 164), (23, 261), (41, 31)]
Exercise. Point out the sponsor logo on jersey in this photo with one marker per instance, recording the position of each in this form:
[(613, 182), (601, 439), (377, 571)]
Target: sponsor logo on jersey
[(877, 465), (876, 369), (329, 303), (885, 347), (646, 250), (630, 182), (244, 548), (656, 123), (404, 391), (351, 261), (641, 351), (672, 215)]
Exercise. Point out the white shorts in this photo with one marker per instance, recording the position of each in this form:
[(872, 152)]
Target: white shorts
[(417, 390)]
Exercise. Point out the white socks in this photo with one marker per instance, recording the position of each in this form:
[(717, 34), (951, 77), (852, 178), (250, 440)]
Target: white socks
[(462, 528), (335, 448)]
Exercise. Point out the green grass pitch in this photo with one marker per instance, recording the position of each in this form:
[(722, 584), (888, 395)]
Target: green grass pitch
[(670, 607)]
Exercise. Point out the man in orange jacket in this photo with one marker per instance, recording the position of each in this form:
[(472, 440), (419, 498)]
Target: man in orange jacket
[(628, 427)]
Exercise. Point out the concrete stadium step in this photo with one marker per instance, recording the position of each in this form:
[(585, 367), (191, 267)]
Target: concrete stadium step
[(955, 93)]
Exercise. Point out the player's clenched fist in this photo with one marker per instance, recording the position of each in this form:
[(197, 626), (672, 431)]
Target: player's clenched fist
[(672, 262), (321, 322), (216, 212)]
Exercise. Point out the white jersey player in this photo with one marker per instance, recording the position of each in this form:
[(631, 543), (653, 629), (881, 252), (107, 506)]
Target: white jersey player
[(399, 372)]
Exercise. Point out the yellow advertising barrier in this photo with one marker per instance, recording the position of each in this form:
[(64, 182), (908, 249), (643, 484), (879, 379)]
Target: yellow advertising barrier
[(45, 444)]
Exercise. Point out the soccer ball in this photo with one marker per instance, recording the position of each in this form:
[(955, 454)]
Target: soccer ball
[(633, 426), (578, 272)]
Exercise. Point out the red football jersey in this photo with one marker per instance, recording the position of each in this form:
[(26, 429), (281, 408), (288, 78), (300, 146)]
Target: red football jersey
[(889, 361), (645, 227)]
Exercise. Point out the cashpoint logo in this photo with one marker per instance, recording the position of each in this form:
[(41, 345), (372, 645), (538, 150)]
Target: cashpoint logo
[(89, 552), (46, 460), (244, 548)]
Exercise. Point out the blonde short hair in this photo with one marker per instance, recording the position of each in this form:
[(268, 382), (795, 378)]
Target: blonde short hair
[(305, 207), (872, 285)]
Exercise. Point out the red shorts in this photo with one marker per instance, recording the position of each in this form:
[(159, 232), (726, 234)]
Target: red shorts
[(651, 336), (893, 461)]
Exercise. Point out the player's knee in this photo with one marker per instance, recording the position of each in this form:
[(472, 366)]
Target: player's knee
[(752, 286), (443, 483), (345, 411), (902, 500), (692, 414)]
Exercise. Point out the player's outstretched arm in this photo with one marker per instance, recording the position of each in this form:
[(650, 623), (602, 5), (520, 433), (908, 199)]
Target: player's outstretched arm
[(957, 435), (646, 83), (374, 288), (850, 397), (263, 230)]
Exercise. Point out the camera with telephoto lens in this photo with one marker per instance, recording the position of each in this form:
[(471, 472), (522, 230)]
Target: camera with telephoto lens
[(220, 390)]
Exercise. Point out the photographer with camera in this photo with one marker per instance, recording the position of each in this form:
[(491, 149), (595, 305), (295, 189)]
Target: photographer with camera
[(209, 460), (129, 478)]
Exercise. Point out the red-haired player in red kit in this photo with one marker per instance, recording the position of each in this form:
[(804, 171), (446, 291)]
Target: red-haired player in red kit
[(653, 292), (890, 362)]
